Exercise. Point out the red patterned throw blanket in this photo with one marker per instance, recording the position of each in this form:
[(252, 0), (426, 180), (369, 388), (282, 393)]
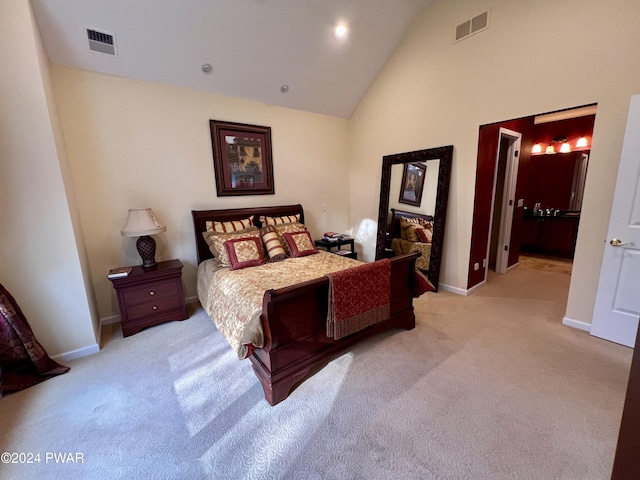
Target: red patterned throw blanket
[(358, 297), (23, 361)]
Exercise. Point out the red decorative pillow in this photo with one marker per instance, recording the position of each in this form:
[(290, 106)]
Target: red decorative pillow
[(244, 252), (424, 234), (300, 243)]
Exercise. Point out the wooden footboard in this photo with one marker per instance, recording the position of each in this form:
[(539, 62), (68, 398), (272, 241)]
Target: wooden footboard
[(294, 321)]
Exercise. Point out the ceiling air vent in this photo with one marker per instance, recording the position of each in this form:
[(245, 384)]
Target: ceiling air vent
[(101, 42), (471, 27)]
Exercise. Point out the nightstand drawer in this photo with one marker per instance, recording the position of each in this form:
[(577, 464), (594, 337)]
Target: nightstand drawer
[(150, 292), (153, 307)]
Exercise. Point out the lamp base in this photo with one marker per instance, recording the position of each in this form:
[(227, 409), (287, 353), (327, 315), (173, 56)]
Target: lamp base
[(147, 249)]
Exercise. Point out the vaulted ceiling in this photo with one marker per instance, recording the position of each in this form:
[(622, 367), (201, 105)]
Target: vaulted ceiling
[(254, 47)]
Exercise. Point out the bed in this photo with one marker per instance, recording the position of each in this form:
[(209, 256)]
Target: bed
[(401, 245), (293, 319)]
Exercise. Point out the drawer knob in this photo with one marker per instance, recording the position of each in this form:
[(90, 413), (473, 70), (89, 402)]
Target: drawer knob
[(154, 307), (152, 292)]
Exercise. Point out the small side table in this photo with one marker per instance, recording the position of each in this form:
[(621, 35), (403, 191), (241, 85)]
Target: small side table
[(149, 296), (329, 246)]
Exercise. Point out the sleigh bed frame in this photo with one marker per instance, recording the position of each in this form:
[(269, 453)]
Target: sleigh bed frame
[(294, 318)]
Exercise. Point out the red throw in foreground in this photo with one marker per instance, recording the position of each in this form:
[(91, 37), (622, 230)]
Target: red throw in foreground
[(358, 297)]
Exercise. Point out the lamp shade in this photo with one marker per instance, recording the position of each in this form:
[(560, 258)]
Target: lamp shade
[(140, 222)]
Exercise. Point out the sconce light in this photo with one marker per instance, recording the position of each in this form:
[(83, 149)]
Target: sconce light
[(582, 142), (537, 148), (142, 223)]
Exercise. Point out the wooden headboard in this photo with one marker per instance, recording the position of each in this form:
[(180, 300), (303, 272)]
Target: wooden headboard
[(200, 218), (394, 223)]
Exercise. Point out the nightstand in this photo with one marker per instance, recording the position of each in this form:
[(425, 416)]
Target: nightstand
[(149, 296), (330, 245)]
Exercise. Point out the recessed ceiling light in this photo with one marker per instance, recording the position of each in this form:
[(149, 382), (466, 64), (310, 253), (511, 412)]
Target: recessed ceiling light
[(341, 30), (284, 88), (207, 68)]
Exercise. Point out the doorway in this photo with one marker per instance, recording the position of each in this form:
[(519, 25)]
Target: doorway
[(503, 219)]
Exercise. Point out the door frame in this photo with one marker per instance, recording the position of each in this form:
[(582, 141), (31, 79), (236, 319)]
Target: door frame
[(508, 199)]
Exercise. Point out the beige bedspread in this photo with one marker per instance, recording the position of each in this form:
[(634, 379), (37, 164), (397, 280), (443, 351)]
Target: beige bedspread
[(401, 246), (233, 298)]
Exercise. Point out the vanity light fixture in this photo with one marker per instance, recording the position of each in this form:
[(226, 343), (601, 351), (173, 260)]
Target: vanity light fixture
[(537, 148), (565, 147), (582, 142), (550, 149)]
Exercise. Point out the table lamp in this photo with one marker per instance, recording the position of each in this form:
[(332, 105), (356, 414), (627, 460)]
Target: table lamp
[(142, 223)]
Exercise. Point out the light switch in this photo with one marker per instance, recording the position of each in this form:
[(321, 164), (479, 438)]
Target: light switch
[(520, 202)]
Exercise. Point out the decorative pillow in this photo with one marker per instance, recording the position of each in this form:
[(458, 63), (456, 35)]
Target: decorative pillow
[(300, 244), (216, 242), (424, 234), (280, 220), (272, 243), (244, 252), (288, 228), (231, 226), (405, 224)]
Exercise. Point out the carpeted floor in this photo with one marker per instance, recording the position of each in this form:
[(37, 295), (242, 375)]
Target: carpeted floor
[(490, 386), (546, 263)]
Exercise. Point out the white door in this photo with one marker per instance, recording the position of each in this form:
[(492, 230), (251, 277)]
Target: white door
[(507, 205), (615, 316)]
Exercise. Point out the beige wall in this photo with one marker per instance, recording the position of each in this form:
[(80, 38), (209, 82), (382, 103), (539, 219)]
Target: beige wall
[(39, 260), (138, 144), (536, 57)]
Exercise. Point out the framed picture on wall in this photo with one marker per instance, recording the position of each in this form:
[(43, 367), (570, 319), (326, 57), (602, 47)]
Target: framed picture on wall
[(412, 183), (241, 158)]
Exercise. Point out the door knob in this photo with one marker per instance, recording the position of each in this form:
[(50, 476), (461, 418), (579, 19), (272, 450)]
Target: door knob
[(616, 242)]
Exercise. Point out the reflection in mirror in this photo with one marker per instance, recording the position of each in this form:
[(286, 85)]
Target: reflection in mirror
[(401, 197), (427, 205)]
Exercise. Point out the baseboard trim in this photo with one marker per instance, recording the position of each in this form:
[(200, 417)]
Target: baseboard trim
[(476, 287), (110, 320), (191, 300), (570, 322), (452, 289), (78, 353)]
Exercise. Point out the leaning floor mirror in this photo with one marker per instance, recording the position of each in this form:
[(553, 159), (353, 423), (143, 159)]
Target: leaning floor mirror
[(414, 191)]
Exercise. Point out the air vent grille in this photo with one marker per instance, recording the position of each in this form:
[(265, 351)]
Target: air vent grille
[(471, 27), (102, 42)]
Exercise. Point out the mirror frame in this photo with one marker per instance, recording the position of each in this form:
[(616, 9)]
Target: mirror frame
[(445, 155)]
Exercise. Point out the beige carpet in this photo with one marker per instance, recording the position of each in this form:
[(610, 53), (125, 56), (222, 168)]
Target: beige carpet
[(546, 264), (490, 386)]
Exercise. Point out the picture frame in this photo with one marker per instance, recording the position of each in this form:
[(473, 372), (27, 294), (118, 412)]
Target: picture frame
[(413, 176), (241, 158)]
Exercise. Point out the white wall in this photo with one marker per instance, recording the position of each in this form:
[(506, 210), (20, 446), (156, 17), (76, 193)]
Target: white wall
[(39, 260), (138, 144), (536, 57)]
